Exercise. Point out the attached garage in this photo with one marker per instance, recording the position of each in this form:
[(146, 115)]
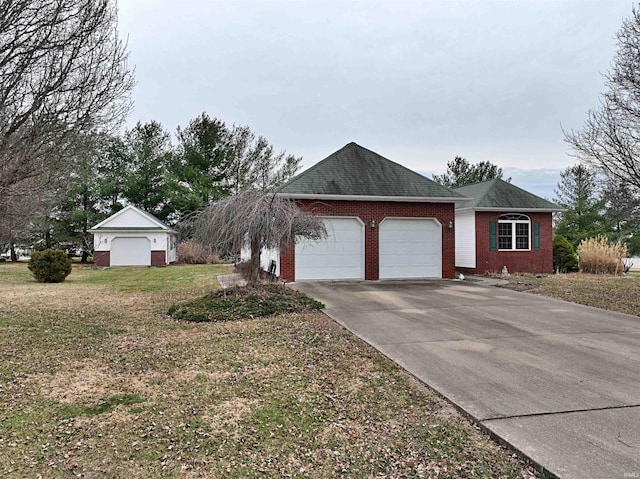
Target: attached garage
[(384, 220), (339, 256), (126, 251), (410, 248)]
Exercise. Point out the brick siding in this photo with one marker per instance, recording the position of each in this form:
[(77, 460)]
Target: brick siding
[(488, 261), (158, 258), (377, 211), (102, 258)]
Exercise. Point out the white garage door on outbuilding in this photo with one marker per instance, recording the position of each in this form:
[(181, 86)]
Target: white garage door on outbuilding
[(410, 248), (339, 256), (130, 251)]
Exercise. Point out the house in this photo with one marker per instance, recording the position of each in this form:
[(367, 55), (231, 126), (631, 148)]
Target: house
[(503, 225), (133, 237), (383, 221)]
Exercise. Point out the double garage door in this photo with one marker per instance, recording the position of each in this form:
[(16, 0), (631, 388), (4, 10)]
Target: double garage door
[(408, 248)]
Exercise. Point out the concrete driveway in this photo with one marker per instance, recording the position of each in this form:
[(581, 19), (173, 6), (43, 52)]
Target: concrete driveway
[(558, 381)]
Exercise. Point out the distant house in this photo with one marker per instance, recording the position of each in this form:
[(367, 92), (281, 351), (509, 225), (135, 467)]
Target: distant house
[(133, 237), (384, 221), (503, 225)]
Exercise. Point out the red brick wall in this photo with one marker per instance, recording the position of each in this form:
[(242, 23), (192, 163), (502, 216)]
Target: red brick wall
[(102, 258), (377, 211), (158, 258), (488, 261)]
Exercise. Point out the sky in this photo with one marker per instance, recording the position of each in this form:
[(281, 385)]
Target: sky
[(418, 82)]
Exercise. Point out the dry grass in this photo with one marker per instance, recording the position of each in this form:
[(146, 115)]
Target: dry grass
[(96, 382), (615, 293), (598, 256)]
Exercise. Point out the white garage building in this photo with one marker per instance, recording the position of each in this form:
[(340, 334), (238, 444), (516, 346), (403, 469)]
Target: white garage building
[(133, 237)]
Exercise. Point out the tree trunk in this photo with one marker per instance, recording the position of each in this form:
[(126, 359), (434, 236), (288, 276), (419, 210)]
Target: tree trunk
[(85, 256), (254, 274), (14, 256)]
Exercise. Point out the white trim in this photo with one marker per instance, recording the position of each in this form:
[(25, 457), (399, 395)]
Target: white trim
[(162, 226), (514, 233), (403, 199), (513, 210)]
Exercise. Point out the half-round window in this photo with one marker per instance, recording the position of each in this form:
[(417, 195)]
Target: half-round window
[(514, 232)]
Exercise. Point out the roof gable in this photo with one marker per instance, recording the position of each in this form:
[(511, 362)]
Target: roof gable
[(355, 171), (131, 217), (497, 194)]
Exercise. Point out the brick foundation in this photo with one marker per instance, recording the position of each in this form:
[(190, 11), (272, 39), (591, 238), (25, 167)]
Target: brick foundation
[(158, 258), (377, 211), (102, 258), (488, 261)]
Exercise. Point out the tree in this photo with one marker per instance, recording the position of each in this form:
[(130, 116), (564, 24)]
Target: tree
[(253, 163), (610, 138), (254, 218), (460, 172), (148, 152), (200, 163), (63, 72), (577, 192)]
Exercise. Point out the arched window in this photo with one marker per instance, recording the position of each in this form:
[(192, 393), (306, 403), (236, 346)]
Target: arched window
[(514, 232)]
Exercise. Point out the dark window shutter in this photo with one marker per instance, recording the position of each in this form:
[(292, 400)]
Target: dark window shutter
[(493, 240), (536, 236)]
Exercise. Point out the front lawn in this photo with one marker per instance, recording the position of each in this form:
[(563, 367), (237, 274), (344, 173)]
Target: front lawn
[(97, 381), (615, 293)]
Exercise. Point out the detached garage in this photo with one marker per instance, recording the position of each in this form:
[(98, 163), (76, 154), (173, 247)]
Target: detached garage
[(133, 237), (383, 220)]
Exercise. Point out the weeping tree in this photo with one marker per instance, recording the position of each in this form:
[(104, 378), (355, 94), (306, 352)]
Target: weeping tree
[(255, 219)]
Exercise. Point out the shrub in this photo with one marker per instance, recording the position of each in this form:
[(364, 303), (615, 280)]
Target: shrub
[(50, 266), (190, 252), (247, 302), (565, 259), (599, 257)]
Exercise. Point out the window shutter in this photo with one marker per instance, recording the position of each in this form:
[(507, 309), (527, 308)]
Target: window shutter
[(536, 236), (493, 240)]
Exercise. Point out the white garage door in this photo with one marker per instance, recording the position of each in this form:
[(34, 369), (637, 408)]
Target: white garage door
[(339, 256), (130, 252), (410, 248)]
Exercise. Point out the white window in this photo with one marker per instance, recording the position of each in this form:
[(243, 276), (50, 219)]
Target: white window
[(514, 232)]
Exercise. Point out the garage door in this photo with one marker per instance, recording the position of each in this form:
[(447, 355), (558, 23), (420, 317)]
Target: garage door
[(410, 248), (339, 256), (130, 252)]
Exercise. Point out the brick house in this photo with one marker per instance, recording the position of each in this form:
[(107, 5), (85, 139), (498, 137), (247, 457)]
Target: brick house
[(383, 220), (503, 225)]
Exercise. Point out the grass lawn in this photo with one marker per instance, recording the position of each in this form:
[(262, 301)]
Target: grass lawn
[(96, 381), (615, 293)]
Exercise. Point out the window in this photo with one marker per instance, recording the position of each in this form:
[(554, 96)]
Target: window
[(514, 232)]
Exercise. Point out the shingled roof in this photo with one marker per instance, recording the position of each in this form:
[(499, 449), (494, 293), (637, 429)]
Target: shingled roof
[(358, 173), (497, 194)]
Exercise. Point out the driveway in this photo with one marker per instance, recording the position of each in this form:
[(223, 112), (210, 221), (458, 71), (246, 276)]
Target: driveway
[(558, 381)]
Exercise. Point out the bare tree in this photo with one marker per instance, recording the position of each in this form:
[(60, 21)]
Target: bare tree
[(63, 72), (610, 137), (257, 219)]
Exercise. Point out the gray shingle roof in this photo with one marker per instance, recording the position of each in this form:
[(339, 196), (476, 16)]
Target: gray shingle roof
[(498, 194), (356, 171)]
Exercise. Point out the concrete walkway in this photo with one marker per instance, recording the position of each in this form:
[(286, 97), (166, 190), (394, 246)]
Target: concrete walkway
[(558, 381)]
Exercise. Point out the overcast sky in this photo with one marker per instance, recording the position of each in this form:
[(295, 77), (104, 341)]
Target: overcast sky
[(418, 82)]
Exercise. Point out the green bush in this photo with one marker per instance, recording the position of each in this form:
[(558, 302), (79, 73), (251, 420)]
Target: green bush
[(50, 266), (565, 259)]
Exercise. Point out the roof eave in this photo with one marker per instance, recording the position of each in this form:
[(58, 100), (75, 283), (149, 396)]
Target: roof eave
[(403, 199), (512, 210), (133, 229)]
